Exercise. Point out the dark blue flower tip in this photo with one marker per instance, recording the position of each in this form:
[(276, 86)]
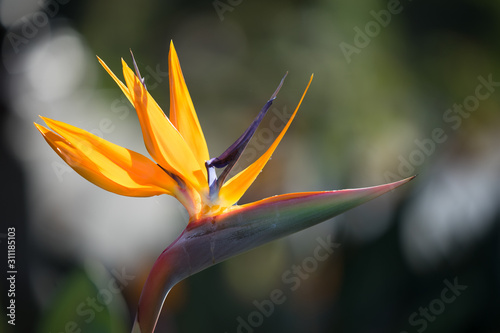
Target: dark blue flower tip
[(142, 79), (231, 155)]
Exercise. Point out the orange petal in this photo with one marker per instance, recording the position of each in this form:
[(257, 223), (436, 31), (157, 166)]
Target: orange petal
[(235, 187), (109, 166), (182, 113), (165, 144), (120, 83)]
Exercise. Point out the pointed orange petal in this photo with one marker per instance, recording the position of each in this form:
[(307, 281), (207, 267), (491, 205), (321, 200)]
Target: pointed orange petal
[(109, 166), (163, 141), (120, 83), (235, 187), (182, 113)]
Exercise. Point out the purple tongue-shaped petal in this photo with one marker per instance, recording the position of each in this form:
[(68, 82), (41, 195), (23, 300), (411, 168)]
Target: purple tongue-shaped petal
[(230, 156), (143, 81)]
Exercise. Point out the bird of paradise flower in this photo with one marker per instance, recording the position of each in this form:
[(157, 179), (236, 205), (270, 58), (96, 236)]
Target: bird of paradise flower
[(218, 227)]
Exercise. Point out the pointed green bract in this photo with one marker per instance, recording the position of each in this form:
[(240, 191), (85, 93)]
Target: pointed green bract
[(214, 239)]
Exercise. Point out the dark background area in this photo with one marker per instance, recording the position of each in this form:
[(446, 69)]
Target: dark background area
[(368, 118)]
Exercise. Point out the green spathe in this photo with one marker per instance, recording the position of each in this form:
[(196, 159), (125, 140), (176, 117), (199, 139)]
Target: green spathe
[(214, 239)]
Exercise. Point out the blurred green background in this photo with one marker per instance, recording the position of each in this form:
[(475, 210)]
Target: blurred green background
[(399, 88)]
